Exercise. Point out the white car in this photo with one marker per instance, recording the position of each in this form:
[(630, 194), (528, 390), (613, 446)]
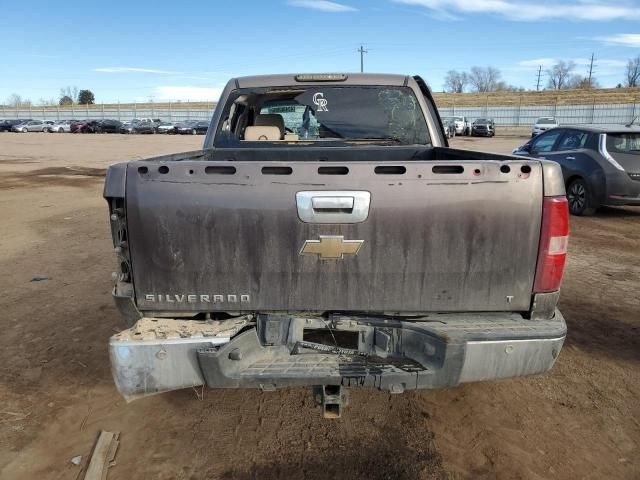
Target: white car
[(166, 127), (60, 126), (543, 124)]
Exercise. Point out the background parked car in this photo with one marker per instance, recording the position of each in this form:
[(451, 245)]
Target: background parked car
[(600, 165), (166, 127), (449, 127), (144, 126), (192, 127), (29, 126), (108, 126), (60, 126), (7, 125), (483, 127), (127, 127), (84, 126), (543, 124), (463, 125)]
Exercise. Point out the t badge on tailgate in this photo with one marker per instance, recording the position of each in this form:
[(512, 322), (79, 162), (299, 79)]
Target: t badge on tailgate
[(331, 247)]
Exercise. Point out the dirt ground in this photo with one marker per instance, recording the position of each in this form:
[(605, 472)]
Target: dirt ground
[(581, 420)]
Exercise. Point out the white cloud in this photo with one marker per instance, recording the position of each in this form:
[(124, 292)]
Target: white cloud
[(622, 39), (323, 5), (174, 92), (131, 70), (531, 10), (536, 62)]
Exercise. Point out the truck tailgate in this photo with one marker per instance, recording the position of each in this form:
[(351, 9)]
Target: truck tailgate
[(437, 237)]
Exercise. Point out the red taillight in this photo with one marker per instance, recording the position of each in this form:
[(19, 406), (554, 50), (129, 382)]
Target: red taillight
[(552, 251)]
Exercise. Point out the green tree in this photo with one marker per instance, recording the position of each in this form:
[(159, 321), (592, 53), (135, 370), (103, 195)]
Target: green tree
[(66, 100), (86, 97)]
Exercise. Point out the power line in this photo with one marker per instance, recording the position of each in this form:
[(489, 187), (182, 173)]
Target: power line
[(362, 52)]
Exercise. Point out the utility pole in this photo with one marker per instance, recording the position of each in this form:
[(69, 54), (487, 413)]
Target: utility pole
[(538, 83), (590, 69), (362, 52)]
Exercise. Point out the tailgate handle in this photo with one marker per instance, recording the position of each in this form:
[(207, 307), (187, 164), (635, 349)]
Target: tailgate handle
[(333, 206)]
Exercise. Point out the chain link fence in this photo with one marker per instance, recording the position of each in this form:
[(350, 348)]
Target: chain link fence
[(508, 116), (523, 116), (179, 112)]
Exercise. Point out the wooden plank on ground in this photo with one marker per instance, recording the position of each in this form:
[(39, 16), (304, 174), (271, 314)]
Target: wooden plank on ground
[(103, 455)]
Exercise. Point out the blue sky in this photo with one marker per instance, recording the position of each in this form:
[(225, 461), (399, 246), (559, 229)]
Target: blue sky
[(139, 50)]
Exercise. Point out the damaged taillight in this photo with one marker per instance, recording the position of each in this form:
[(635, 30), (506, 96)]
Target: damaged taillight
[(554, 239)]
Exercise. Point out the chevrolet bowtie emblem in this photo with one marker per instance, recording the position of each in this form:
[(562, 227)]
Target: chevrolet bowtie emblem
[(331, 247)]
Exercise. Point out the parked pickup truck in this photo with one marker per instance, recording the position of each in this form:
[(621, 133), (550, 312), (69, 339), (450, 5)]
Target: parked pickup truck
[(326, 236)]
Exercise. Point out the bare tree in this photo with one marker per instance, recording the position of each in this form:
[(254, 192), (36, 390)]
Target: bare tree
[(633, 72), (484, 79), (560, 74), (68, 91), (578, 81), (455, 82), (44, 101), (14, 100), (505, 87)]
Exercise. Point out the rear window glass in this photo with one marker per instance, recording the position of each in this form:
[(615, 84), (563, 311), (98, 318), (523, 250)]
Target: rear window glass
[(624, 143), (546, 121), (327, 114)]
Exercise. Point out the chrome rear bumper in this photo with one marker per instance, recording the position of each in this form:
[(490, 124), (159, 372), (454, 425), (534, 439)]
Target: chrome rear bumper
[(437, 351)]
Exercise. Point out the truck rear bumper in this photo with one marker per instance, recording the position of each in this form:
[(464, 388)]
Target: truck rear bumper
[(392, 355)]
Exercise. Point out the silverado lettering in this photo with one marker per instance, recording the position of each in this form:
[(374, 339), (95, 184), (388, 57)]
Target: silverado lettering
[(194, 298)]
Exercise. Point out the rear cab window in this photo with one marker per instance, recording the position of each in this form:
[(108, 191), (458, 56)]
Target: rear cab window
[(323, 115)]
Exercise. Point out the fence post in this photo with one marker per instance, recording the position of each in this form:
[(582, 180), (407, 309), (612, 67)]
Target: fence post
[(119, 111), (519, 107), (555, 108), (135, 109), (454, 105), (57, 112), (86, 107), (170, 113), (486, 106), (593, 108)]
